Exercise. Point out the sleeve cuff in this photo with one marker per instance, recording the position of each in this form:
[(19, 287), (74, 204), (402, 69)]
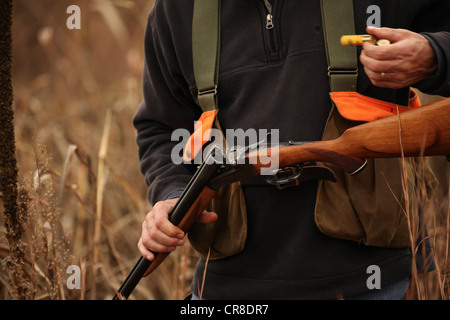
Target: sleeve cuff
[(174, 194), (434, 81), (164, 191)]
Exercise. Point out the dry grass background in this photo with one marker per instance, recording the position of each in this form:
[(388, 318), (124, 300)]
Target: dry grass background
[(75, 94)]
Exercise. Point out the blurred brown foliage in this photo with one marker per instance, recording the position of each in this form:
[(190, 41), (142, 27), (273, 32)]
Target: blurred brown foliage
[(75, 93)]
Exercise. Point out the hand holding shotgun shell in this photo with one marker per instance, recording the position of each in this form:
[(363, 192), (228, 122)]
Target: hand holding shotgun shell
[(408, 60)]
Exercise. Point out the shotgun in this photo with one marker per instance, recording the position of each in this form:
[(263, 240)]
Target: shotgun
[(419, 132)]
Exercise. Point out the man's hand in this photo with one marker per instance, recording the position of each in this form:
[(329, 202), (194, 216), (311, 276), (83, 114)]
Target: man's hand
[(407, 60), (159, 234)]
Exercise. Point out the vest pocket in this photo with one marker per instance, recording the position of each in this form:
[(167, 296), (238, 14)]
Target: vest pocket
[(376, 207)]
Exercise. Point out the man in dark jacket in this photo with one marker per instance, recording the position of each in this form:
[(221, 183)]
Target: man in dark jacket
[(276, 78)]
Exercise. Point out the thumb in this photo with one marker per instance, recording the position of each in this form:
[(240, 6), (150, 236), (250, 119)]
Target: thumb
[(393, 35), (208, 217)]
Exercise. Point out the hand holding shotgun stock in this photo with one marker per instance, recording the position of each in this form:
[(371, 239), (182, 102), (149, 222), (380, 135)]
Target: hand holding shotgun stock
[(423, 131)]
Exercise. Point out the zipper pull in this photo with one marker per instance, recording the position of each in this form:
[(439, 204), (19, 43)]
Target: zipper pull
[(269, 24)]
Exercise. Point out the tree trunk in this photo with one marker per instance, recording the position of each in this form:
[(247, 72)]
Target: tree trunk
[(8, 164)]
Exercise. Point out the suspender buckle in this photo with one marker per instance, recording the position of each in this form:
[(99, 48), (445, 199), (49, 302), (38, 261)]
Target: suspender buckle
[(208, 91), (332, 71)]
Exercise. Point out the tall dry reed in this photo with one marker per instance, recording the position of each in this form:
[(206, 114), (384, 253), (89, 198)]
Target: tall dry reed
[(428, 218)]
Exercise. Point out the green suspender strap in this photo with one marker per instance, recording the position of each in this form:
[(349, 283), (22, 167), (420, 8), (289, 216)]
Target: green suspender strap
[(206, 51), (227, 235), (363, 207), (206, 56), (338, 20)]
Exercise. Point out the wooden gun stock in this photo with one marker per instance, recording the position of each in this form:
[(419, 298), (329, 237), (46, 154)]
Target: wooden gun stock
[(423, 131)]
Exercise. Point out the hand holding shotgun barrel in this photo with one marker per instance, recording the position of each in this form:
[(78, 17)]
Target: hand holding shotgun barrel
[(423, 131)]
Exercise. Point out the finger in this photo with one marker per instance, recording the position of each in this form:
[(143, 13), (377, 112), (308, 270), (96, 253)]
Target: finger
[(147, 254), (148, 246), (393, 35), (388, 52), (155, 240), (160, 213), (377, 77), (208, 217), (385, 79), (148, 250), (379, 66), (382, 53)]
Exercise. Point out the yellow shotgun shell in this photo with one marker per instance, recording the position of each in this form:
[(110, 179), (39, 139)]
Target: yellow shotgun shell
[(359, 40)]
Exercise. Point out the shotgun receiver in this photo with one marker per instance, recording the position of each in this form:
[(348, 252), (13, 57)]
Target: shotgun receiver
[(419, 132)]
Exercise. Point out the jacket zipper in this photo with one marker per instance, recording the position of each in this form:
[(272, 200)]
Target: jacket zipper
[(269, 17), (270, 26)]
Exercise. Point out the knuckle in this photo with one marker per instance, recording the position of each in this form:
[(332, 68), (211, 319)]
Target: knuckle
[(378, 67), (374, 68), (379, 55), (159, 221), (363, 58), (403, 78), (152, 236), (146, 239), (375, 82), (157, 206), (160, 213), (371, 52), (161, 206), (148, 224)]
